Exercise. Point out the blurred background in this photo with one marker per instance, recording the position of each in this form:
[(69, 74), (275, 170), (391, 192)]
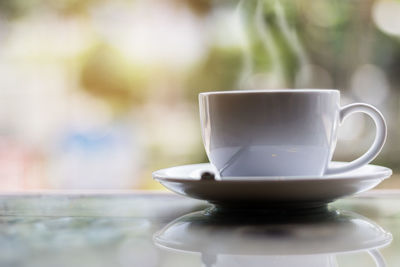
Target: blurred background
[(97, 94)]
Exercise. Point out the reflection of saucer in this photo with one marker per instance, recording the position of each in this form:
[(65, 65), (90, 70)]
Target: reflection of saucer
[(286, 239), (291, 190)]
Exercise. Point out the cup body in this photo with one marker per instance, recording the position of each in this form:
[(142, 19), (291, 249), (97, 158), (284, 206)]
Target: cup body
[(270, 132)]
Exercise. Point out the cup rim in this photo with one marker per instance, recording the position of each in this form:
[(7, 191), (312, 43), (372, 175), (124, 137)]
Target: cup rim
[(269, 91)]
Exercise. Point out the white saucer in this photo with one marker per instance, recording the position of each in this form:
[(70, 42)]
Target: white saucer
[(263, 191)]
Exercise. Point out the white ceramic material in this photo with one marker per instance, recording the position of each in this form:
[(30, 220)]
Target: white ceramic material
[(263, 191), (257, 241), (279, 132)]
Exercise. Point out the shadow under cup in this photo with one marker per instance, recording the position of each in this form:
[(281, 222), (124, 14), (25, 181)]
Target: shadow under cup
[(270, 133)]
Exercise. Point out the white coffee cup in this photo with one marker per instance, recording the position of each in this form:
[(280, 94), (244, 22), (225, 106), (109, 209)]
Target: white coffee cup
[(289, 132)]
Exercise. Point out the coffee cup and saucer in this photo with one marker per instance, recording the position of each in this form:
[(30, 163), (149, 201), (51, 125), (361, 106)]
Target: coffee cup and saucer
[(274, 148)]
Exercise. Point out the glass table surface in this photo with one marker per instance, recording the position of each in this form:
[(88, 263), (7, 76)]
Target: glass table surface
[(163, 229)]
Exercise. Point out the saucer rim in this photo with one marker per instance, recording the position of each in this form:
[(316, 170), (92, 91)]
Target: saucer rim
[(382, 174)]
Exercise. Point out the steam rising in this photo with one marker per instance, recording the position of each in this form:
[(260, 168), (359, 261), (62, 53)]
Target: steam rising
[(274, 76)]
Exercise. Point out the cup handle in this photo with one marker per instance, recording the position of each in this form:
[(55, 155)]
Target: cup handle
[(380, 137)]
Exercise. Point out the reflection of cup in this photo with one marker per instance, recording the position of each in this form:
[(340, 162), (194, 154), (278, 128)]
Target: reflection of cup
[(279, 132), (273, 240)]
